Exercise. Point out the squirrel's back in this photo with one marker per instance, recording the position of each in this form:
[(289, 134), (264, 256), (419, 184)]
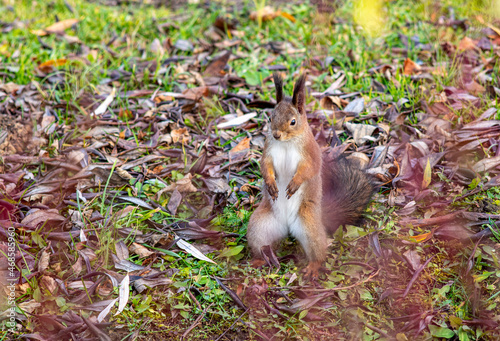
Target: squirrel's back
[(346, 192)]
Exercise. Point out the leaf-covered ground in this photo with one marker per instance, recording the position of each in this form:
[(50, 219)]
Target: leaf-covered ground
[(130, 136)]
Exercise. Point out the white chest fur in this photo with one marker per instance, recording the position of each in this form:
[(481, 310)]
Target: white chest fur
[(286, 157)]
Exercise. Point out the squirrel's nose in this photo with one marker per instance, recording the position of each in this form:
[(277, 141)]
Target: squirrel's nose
[(276, 135)]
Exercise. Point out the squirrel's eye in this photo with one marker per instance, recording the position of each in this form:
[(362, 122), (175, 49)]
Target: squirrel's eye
[(293, 122)]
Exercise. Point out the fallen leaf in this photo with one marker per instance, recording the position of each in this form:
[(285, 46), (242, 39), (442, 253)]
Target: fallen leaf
[(49, 65), (237, 121), (410, 67), (421, 237), (427, 175), (216, 67), (242, 145), (140, 250), (181, 243), (180, 135), (485, 165), (59, 26), (466, 44)]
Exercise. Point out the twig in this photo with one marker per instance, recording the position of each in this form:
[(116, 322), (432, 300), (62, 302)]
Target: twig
[(377, 330), (415, 276), (194, 299), (197, 322), (228, 329), (432, 221)]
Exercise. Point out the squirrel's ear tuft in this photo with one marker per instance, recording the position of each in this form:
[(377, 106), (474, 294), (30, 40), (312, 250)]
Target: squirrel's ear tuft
[(278, 83), (299, 94)]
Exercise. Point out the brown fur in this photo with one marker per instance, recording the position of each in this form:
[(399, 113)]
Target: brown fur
[(332, 191)]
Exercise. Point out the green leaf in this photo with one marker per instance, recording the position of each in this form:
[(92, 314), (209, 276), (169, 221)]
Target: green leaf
[(473, 184), (231, 251), (302, 314), (441, 332), (483, 276), (364, 294), (252, 77), (60, 301), (462, 335)]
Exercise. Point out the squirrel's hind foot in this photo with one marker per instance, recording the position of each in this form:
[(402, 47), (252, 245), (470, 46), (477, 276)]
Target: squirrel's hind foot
[(311, 271)]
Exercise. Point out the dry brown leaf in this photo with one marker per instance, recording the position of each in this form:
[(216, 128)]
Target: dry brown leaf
[(410, 67), (244, 144), (180, 135), (49, 283), (49, 65), (43, 263), (182, 185), (331, 103), (10, 87), (140, 250), (59, 26), (475, 88), (466, 44), (195, 94), (216, 67), (42, 216)]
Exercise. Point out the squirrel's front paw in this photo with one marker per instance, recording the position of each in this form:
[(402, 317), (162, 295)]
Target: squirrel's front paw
[(272, 188), (291, 189)]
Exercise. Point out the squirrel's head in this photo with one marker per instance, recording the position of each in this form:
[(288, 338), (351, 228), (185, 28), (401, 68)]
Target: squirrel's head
[(288, 119)]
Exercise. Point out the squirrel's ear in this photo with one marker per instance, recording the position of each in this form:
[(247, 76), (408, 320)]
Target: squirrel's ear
[(299, 94), (278, 83)]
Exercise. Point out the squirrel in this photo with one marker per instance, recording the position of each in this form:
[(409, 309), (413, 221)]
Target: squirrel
[(306, 193)]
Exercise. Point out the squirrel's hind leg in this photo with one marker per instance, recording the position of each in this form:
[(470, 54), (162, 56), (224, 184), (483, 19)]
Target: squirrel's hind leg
[(264, 229), (308, 229)]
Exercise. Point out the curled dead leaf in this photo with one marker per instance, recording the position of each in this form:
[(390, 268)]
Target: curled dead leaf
[(410, 67), (180, 135)]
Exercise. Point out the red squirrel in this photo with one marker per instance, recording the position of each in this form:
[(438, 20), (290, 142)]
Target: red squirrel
[(305, 193)]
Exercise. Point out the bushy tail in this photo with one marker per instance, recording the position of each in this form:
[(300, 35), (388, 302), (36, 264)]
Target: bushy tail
[(346, 192)]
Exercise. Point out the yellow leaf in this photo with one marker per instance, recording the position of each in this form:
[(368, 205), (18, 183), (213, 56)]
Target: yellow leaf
[(427, 175), (288, 16), (52, 63), (421, 237)]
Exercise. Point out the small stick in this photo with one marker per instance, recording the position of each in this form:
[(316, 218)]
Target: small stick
[(377, 330), (228, 329), (197, 322), (194, 299), (415, 276)]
